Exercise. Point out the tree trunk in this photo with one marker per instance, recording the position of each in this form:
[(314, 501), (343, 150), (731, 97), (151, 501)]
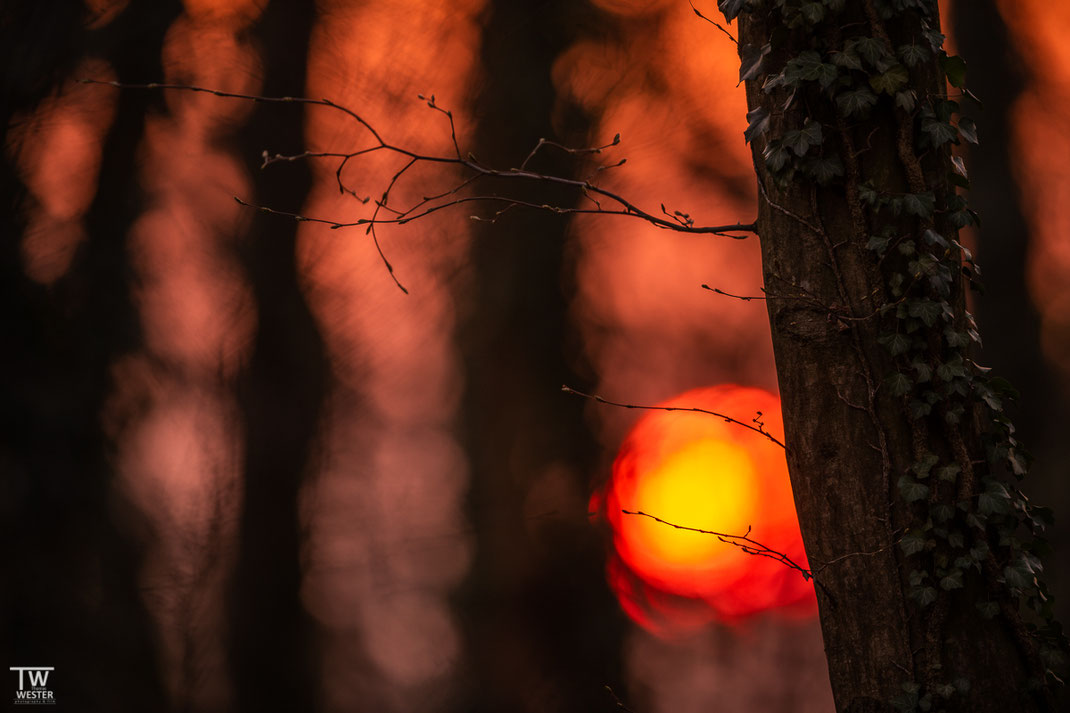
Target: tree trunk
[(885, 454), (72, 595), (999, 76), (541, 629), (273, 650)]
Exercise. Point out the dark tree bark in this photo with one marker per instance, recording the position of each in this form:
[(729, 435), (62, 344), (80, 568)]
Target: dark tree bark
[(273, 655), (850, 437), (72, 596), (541, 628)]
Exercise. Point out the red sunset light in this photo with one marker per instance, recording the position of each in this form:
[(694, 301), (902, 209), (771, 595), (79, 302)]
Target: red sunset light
[(696, 470)]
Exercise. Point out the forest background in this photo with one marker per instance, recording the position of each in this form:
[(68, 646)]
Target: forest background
[(235, 451)]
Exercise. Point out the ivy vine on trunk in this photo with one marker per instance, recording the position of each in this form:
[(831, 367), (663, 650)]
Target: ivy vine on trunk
[(904, 466)]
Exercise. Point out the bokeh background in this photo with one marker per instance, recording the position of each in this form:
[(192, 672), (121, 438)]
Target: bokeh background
[(244, 471)]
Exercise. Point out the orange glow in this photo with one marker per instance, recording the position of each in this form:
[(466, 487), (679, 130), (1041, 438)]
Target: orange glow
[(699, 471)]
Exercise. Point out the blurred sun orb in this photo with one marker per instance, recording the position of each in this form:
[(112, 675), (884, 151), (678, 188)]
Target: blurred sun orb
[(700, 471)]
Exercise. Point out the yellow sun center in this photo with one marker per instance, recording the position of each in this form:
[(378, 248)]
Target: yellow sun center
[(707, 485)]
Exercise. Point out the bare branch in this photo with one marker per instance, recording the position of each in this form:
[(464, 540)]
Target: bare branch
[(736, 297), (743, 542), (463, 190), (619, 703), (758, 428), (715, 24)]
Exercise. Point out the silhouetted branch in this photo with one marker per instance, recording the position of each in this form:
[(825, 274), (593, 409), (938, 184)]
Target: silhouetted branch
[(743, 542), (619, 703), (758, 428), (712, 22), (473, 171), (745, 298)]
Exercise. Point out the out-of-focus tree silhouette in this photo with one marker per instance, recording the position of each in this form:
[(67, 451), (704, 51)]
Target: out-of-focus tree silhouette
[(540, 626), (71, 594), (1008, 316), (281, 392)]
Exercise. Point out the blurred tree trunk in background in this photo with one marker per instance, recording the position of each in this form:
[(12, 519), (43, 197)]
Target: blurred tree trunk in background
[(71, 591), (541, 630), (273, 652), (1007, 316)]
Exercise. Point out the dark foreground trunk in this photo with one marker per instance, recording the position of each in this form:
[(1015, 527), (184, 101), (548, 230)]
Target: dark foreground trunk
[(902, 628)]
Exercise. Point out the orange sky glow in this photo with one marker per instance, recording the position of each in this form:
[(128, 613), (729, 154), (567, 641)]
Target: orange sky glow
[(388, 542)]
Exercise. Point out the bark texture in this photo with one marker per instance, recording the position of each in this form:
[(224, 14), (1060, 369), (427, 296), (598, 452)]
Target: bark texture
[(850, 439)]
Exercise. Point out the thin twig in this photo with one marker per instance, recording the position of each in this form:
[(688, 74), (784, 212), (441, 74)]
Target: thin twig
[(620, 704), (473, 171), (759, 428), (743, 542), (727, 33), (745, 298)]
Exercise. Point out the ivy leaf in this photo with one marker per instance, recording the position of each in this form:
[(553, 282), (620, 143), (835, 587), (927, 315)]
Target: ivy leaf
[(912, 490), (872, 50), (1015, 577), (730, 8), (948, 473), (814, 12), (920, 204), (800, 140), (936, 39), (925, 310), (941, 513), (806, 67), (757, 123), (846, 59), (990, 504), (960, 166), (912, 542), (825, 169), (925, 464), (952, 581), (906, 100), (809, 67), (856, 101), (968, 129), (955, 69), (897, 343), (923, 370), (899, 384), (891, 81), (934, 238), (1017, 463), (944, 690), (912, 55), (867, 194), (877, 243), (988, 609), (939, 133), (751, 61), (924, 596), (944, 109), (775, 156)]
